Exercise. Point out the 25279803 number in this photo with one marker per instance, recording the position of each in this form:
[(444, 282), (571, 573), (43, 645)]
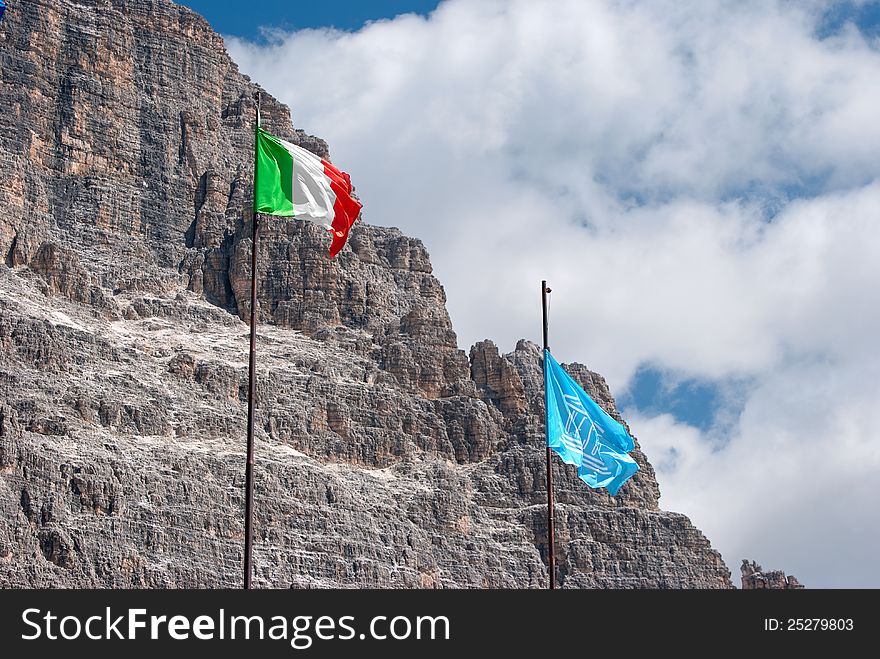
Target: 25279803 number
[(819, 624)]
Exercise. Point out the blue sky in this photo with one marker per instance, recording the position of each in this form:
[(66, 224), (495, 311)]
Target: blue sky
[(698, 182), (228, 17), (244, 20), (865, 15), (691, 400)]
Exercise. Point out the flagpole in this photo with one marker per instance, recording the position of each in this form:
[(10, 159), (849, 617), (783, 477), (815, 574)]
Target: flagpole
[(249, 468), (551, 551)]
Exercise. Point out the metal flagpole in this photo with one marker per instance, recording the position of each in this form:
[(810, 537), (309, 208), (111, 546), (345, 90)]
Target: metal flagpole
[(551, 552), (249, 469)]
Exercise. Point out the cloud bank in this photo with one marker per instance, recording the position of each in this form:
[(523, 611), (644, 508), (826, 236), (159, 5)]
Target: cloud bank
[(700, 184)]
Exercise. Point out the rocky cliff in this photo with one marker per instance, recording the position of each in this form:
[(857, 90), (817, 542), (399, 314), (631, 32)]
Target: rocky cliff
[(386, 456), (754, 577)]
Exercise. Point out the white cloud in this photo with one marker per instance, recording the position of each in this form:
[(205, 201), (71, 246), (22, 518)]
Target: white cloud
[(795, 485), (633, 153)]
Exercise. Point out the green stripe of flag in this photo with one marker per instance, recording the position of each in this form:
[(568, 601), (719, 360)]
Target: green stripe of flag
[(273, 179)]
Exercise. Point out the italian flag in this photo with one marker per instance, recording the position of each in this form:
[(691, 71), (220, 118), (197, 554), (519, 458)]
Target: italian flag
[(292, 182)]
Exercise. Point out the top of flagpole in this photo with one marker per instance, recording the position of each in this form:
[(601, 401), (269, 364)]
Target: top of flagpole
[(544, 291), (256, 148)]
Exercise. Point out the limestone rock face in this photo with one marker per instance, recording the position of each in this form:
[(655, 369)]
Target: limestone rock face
[(386, 456), (754, 577)]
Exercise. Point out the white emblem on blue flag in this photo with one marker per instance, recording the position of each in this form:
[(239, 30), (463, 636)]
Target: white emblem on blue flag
[(573, 436)]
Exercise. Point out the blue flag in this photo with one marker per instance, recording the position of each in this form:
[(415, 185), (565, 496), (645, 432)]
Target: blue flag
[(2, 8), (583, 434)]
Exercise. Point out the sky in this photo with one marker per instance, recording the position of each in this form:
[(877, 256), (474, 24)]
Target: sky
[(233, 18), (698, 181)]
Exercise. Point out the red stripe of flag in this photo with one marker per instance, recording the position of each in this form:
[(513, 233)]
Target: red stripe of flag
[(346, 208)]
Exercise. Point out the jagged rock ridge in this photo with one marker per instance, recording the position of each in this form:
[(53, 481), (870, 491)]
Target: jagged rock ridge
[(386, 455), (754, 577)]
